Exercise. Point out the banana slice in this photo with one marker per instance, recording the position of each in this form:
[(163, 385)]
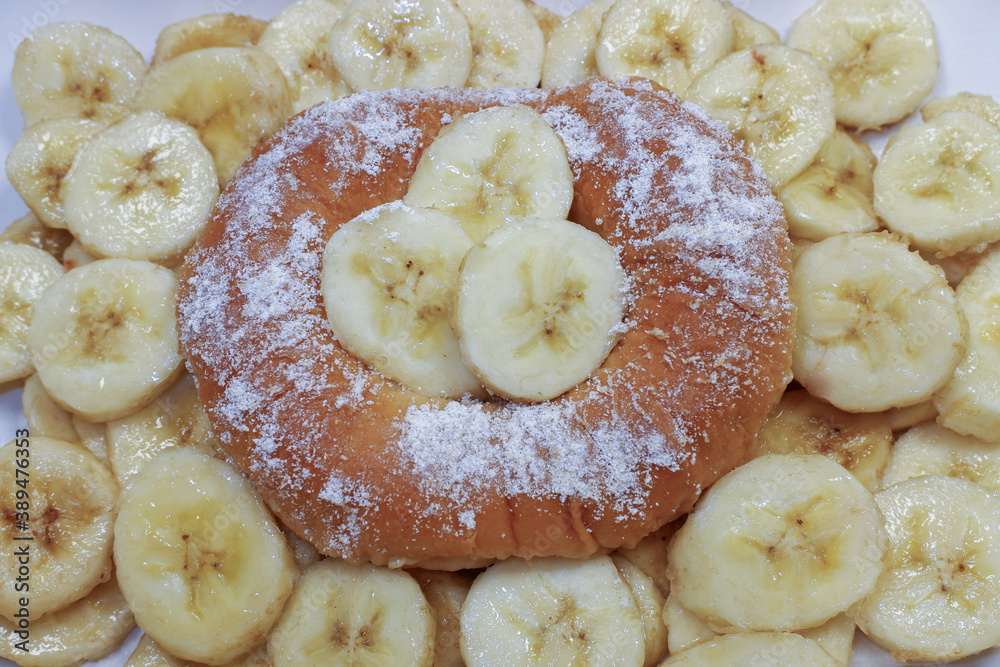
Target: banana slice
[(979, 105), (938, 184), (748, 31), (175, 419), (880, 54), (104, 337), (233, 96), (546, 18), (549, 611), (199, 557), (684, 628), (668, 41), (71, 69), (25, 274), (492, 165), (141, 189), (931, 449), (354, 614), (29, 230), (571, 50), (901, 419), (775, 649), (44, 415), (782, 543), (800, 424), (382, 44), (836, 637), (203, 32), (86, 630), (297, 39), (650, 554), (539, 306), (148, 653), (938, 598), (775, 100), (834, 193), (445, 593), (39, 160), (649, 601), (93, 437), (878, 327), (508, 47), (389, 278), (75, 256), (970, 403), (61, 503)]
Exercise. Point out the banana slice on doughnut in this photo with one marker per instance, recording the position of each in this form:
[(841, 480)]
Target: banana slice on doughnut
[(979, 105), (775, 649), (104, 337), (71, 69), (782, 543), (668, 41), (938, 183), (938, 598), (878, 327), (508, 47), (774, 99), (203, 32), (488, 166), (141, 189), (389, 278), (233, 96), (44, 416), (382, 44), (199, 557), (39, 161), (539, 306), (748, 31), (649, 601), (881, 56), (298, 40), (931, 449), (25, 274), (571, 50), (549, 611), (354, 614), (64, 500)]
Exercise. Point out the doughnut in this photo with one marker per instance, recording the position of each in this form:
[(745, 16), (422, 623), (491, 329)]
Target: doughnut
[(370, 471)]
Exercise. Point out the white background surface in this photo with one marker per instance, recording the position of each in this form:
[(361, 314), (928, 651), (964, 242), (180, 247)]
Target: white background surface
[(968, 33)]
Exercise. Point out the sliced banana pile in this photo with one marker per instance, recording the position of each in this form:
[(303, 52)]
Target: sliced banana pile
[(870, 503)]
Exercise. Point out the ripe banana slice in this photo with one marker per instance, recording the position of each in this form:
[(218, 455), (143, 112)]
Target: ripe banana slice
[(901, 419), (65, 504), (931, 449), (199, 557), (71, 69), (668, 41), (86, 630), (836, 637), (684, 628), (539, 306), (203, 32), (389, 280), (44, 416), (175, 419), (104, 337), (445, 593), (782, 543), (508, 47), (141, 189), (492, 165), (649, 601), (354, 614), (878, 327), (774, 99), (546, 18), (381, 44), (75, 256), (880, 54), (748, 31), (233, 96), (29, 230), (148, 653), (938, 598), (297, 39), (775, 649), (938, 184), (25, 274), (801, 424), (970, 402), (650, 554), (571, 50), (979, 105), (834, 193), (549, 611), (39, 160)]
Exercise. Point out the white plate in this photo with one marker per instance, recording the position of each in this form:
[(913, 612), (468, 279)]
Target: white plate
[(967, 38)]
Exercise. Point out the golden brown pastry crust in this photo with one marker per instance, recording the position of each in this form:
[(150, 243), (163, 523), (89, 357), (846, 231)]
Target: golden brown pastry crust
[(368, 470)]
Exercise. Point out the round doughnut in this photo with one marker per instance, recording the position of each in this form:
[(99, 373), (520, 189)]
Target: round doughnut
[(367, 469)]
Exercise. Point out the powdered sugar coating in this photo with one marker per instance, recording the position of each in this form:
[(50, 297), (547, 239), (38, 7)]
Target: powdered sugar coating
[(605, 453)]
